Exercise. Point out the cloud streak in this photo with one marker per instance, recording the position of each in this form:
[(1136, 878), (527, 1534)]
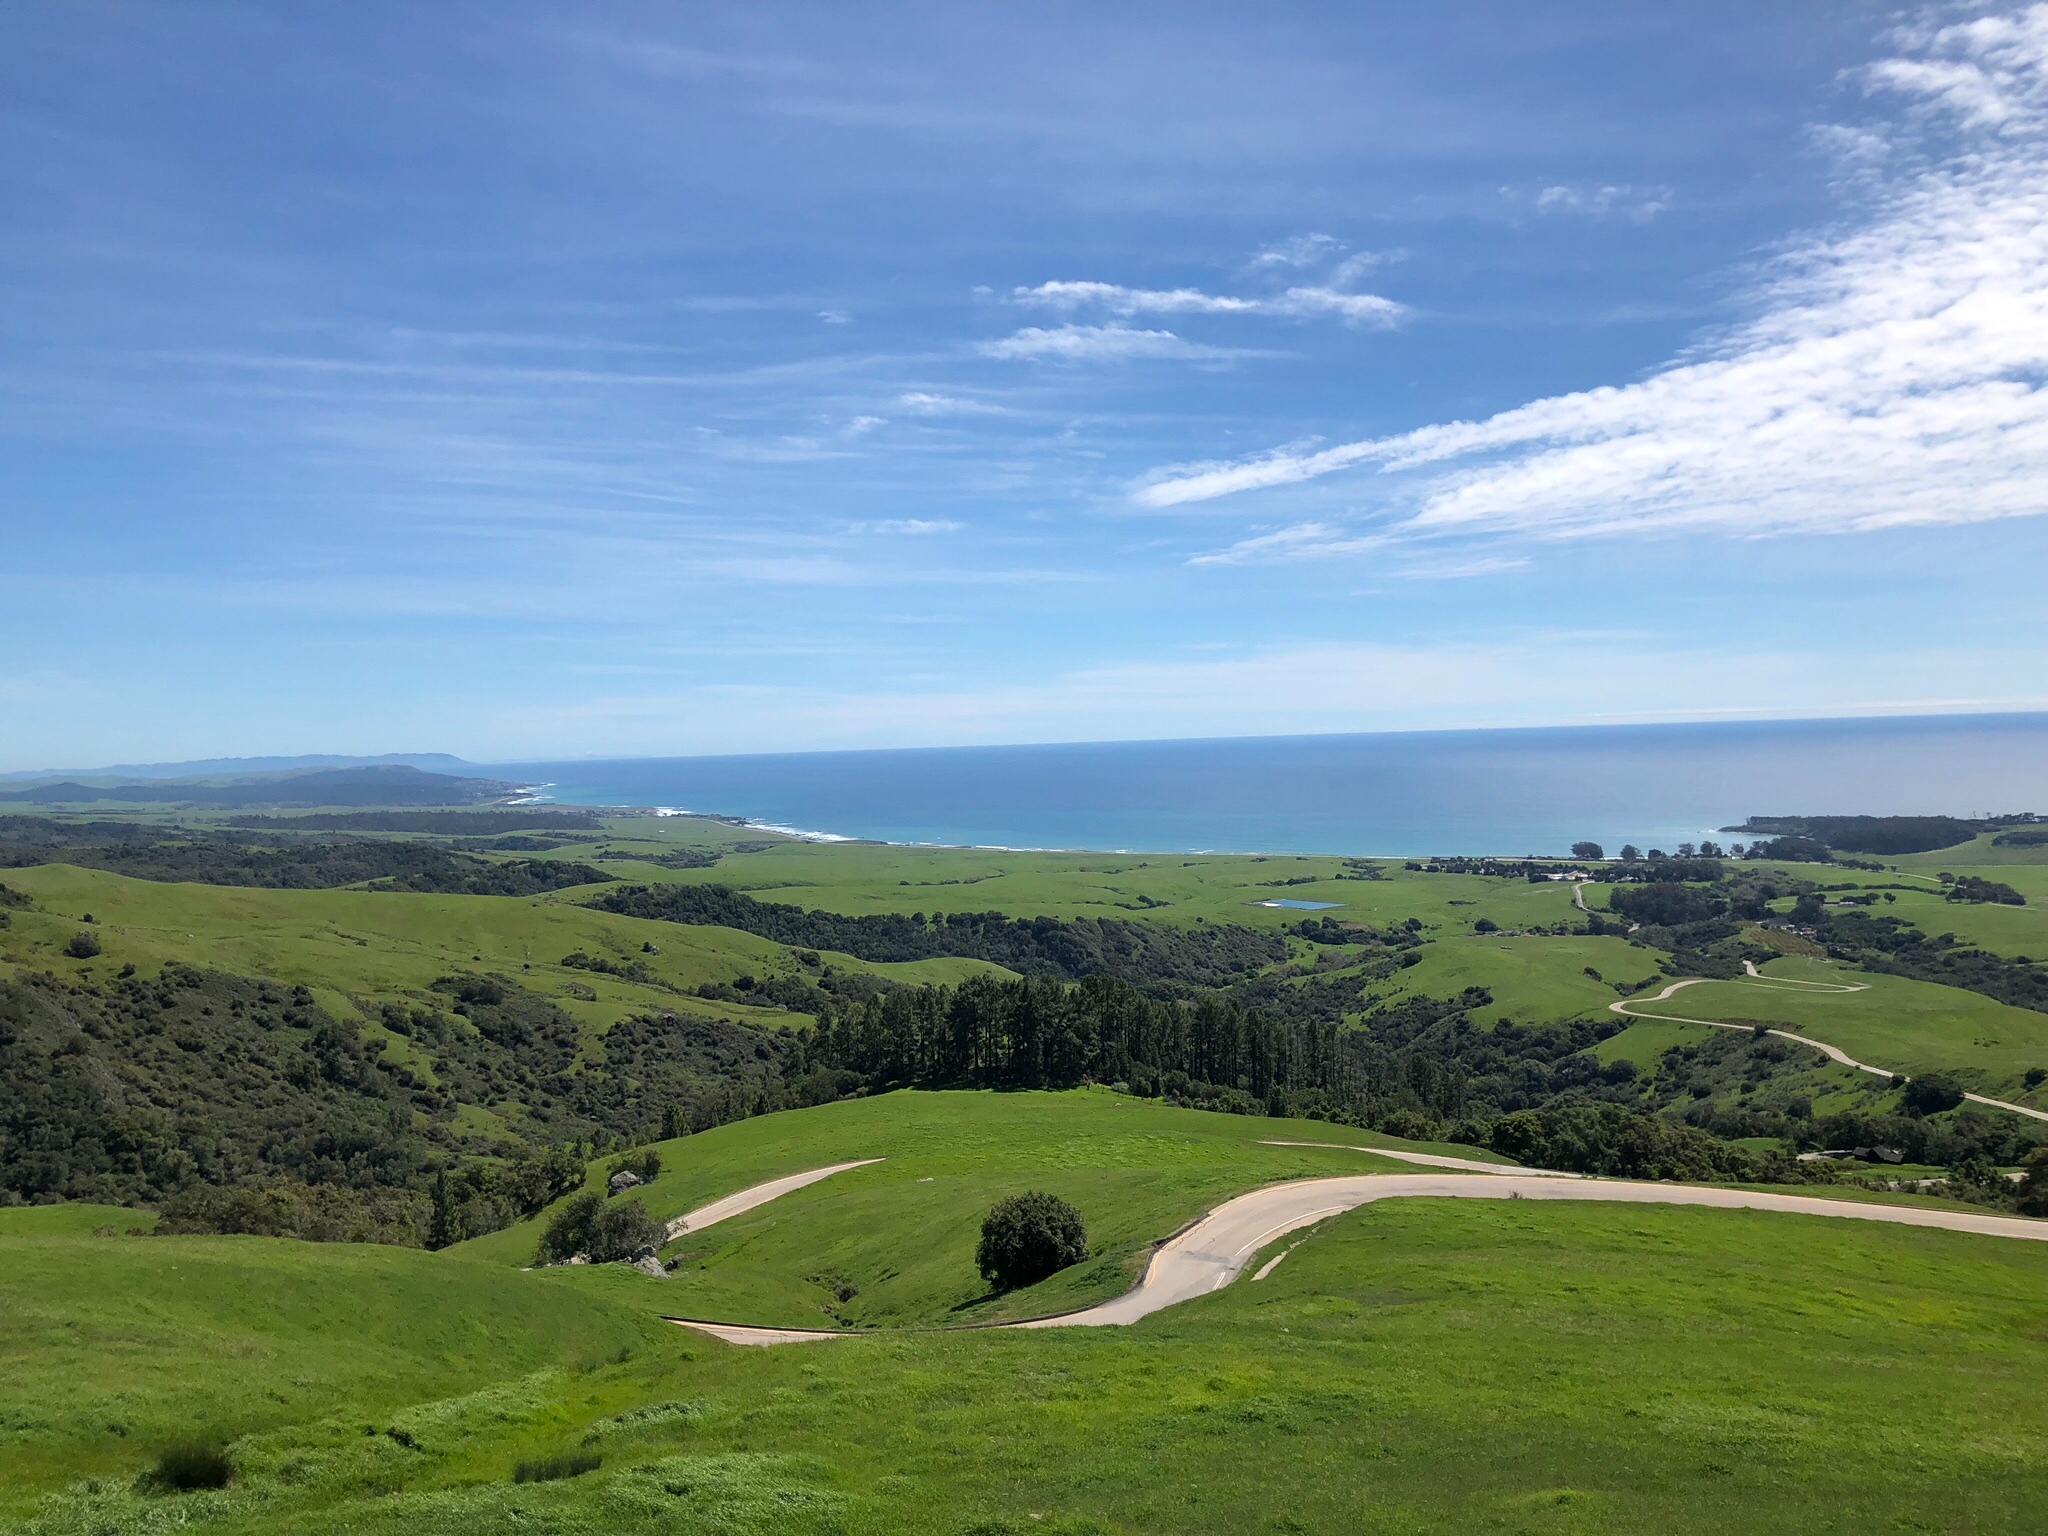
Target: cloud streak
[(1097, 343), (1892, 374), (1298, 303)]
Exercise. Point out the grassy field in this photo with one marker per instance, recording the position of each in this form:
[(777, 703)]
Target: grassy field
[(1417, 1367), (118, 1346), (901, 1233), (1908, 1026), (872, 877), (354, 947), (77, 1219)]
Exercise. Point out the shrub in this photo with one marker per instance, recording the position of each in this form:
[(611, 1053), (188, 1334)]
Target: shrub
[(568, 1230), (1028, 1237), (546, 1469), (606, 1233), (2034, 1187), (186, 1468), (644, 1165), (1931, 1095), (622, 1230), (83, 945)]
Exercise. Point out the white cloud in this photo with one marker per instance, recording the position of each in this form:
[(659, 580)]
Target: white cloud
[(1639, 203), (912, 525), (835, 317), (922, 403), (1095, 343), (1302, 541), (1459, 570), (1893, 373), (1298, 251), (1296, 303)]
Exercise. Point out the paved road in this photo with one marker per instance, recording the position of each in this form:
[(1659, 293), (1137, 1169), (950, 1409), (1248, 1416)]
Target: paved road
[(1434, 1160), (760, 1194), (1787, 984), (1214, 1251)]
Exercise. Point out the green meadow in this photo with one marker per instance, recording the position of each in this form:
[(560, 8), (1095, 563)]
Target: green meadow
[(857, 878), (353, 947), (1415, 1366), (892, 1244), (1908, 1026)]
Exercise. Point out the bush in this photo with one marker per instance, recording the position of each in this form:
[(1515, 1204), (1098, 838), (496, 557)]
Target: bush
[(568, 1230), (187, 1468), (1931, 1095), (547, 1469), (83, 945), (606, 1233), (645, 1165), (1028, 1237), (2034, 1187), (622, 1230)]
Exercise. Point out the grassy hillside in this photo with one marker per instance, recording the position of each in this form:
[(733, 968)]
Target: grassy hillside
[(119, 1346), (1624, 1369), (355, 947), (1220, 888), (1910, 1026), (893, 1244)]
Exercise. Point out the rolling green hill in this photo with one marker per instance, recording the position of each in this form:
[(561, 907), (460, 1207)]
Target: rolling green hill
[(893, 1243), (1625, 1368)]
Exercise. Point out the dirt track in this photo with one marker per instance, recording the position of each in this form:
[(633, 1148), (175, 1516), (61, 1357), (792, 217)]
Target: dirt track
[(1214, 1251), (1627, 1009)]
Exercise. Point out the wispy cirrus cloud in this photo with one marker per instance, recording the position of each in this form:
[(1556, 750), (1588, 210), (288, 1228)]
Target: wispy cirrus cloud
[(919, 402), (1641, 204), (1892, 375), (1301, 302), (1299, 251), (1301, 541), (1098, 343)]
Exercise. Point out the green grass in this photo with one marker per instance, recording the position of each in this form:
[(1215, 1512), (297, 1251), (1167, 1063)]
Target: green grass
[(1218, 888), (1904, 1025), (902, 1232), (78, 1219), (1531, 979), (115, 1348), (354, 947), (1420, 1366)]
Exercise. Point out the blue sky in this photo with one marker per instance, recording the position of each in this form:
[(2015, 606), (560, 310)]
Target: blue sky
[(533, 381)]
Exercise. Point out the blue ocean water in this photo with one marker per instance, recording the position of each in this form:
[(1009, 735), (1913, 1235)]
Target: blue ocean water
[(1501, 792)]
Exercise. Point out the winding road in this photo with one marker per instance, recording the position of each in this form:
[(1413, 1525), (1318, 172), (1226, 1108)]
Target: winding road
[(1788, 984), (760, 1194), (1214, 1251)]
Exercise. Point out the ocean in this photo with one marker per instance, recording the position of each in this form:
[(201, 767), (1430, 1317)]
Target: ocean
[(1406, 793)]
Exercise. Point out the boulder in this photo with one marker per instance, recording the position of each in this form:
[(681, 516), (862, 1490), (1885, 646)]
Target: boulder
[(623, 1180)]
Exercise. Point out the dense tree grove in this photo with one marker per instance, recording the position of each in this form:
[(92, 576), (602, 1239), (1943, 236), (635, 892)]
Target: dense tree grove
[(237, 859)]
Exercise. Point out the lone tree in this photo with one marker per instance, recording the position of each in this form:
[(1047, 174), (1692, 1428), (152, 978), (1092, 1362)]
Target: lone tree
[(1027, 1237), (603, 1233), (1931, 1095), (1588, 851)]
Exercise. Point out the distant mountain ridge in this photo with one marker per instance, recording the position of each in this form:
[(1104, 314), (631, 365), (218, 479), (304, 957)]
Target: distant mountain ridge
[(200, 768), (384, 785)]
